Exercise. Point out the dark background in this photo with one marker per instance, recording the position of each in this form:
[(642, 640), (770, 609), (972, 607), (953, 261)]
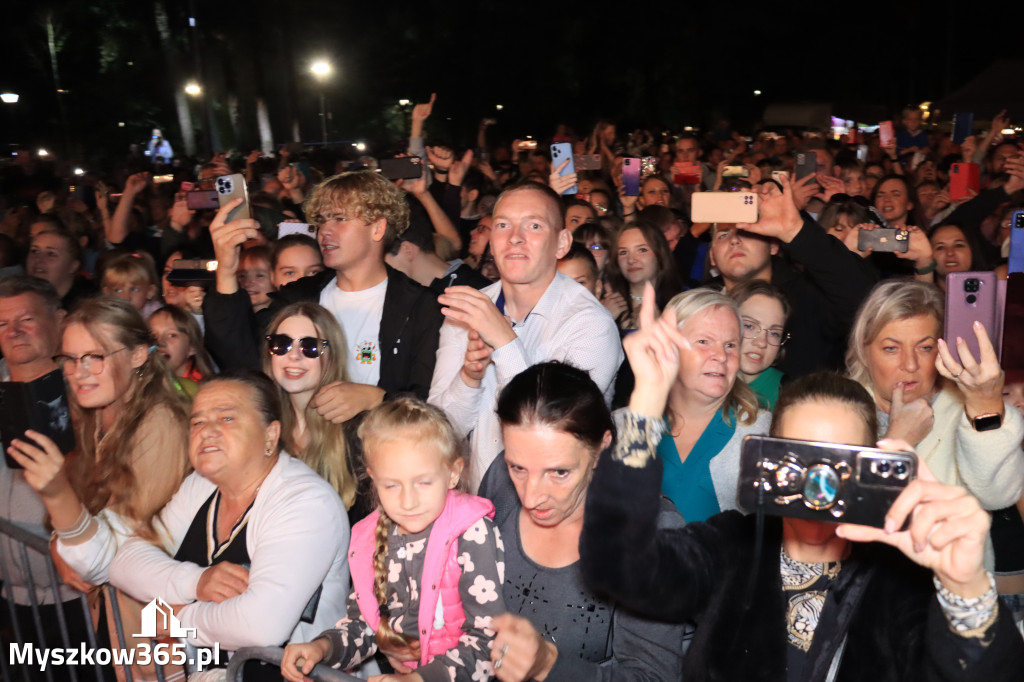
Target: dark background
[(661, 65)]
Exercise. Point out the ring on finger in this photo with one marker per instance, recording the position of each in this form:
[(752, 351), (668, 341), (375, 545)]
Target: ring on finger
[(501, 656)]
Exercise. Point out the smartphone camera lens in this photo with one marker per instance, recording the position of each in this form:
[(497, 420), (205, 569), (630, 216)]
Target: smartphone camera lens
[(972, 285), (882, 467), (899, 469)]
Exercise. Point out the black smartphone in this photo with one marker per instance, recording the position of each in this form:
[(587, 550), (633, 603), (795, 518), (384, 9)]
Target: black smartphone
[(806, 164), (402, 168), (192, 272), (40, 405), (828, 482), (883, 239), (963, 126)]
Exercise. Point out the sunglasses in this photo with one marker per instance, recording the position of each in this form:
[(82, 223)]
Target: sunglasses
[(310, 346)]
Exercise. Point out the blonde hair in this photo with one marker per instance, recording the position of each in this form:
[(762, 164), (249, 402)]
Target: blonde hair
[(100, 468), (327, 452), (741, 399), (360, 194), (889, 301), (129, 268), (415, 419)]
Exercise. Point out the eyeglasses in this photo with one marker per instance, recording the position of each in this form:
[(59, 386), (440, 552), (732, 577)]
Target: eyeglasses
[(310, 346), (774, 337), (93, 362)]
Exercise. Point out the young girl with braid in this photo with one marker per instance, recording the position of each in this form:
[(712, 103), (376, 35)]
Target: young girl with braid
[(427, 566)]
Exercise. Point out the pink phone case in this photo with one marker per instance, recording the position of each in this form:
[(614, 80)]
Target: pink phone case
[(971, 297), (885, 132)]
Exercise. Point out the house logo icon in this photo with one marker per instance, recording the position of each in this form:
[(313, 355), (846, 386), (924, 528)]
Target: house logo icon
[(158, 608)]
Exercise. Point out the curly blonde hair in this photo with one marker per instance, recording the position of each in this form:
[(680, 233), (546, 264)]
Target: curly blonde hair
[(360, 194), (741, 400)]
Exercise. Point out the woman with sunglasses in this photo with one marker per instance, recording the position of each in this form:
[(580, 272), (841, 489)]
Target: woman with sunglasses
[(304, 353), (131, 440), (763, 313)]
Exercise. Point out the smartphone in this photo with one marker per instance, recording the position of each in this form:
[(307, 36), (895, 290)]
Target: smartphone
[(161, 179), (883, 239), (885, 133), (587, 162), (778, 175), (526, 145), (723, 207), (40, 405), (202, 200), (402, 168), (830, 482), (1016, 262), (862, 153), (631, 176), (1012, 348), (287, 228), (189, 272), (648, 165), (735, 172), (686, 172), (560, 152), (963, 177), (970, 297), (963, 126), (229, 188), (806, 164)]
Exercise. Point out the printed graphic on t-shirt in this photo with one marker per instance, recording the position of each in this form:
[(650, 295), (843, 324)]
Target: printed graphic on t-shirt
[(366, 353)]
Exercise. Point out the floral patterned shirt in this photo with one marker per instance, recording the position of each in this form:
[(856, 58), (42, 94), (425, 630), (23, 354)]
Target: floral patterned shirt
[(482, 558)]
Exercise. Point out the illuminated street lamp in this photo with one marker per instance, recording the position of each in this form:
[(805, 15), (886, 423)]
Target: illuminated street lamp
[(321, 70), (192, 88), (9, 98)]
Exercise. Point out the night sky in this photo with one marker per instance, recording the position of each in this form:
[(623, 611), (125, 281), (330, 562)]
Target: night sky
[(657, 65)]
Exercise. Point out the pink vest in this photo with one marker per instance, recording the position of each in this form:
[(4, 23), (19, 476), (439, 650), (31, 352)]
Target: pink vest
[(439, 629)]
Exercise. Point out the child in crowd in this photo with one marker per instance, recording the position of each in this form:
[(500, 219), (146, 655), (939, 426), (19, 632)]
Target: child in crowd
[(254, 276), (763, 314), (295, 256), (132, 277), (181, 343), (427, 568)]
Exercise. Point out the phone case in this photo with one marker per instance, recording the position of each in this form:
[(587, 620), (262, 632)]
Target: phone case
[(963, 126), (586, 162), (963, 177), (885, 133), (806, 164), (1012, 350), (40, 405), (723, 207), (883, 240), (202, 200), (822, 481), (286, 228), (1016, 262), (560, 151), (686, 172), (631, 176), (970, 297), (229, 188), (402, 168)]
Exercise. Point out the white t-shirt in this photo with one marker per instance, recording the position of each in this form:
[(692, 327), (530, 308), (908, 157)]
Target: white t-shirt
[(358, 313)]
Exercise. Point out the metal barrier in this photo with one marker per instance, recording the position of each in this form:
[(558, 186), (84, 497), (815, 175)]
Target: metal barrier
[(25, 543), (273, 654)]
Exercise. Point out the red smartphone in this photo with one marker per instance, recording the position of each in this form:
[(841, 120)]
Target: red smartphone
[(885, 133), (686, 172), (971, 297), (963, 177)]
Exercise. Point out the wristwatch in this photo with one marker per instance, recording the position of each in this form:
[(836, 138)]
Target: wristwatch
[(987, 422)]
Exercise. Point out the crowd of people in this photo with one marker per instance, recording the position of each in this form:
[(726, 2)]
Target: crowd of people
[(488, 422)]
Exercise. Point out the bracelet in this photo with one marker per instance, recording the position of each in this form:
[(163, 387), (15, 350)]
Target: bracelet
[(928, 269), (968, 617), (79, 528)]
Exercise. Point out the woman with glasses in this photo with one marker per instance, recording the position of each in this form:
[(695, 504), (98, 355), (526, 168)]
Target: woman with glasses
[(709, 412), (305, 352), (763, 313), (131, 440)]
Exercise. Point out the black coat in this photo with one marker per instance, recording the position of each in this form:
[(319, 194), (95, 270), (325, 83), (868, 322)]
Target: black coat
[(409, 329), (884, 603)]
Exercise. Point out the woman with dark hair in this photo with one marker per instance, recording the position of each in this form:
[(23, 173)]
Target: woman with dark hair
[(792, 598), (253, 545), (954, 250), (555, 423), (896, 201), (640, 254), (577, 213)]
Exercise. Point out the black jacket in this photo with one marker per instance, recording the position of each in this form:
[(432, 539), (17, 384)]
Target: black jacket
[(409, 329), (882, 603)]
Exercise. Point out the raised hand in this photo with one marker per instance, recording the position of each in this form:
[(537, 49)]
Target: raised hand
[(559, 183), (911, 421), (227, 244), (778, 216), (457, 169), (421, 112), (43, 464), (980, 381), (653, 352)]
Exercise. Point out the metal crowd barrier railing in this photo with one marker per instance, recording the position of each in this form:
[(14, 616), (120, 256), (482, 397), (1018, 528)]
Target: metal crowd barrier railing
[(272, 654)]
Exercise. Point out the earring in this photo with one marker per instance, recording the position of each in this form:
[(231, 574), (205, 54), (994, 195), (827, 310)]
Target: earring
[(268, 452), (139, 371)]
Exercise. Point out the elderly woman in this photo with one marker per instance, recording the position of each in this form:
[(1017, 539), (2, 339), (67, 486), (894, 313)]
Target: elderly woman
[(951, 411), (555, 424), (709, 411), (254, 542)]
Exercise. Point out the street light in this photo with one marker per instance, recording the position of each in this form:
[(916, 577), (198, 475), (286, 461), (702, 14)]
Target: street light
[(321, 69), (9, 98), (192, 88)]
